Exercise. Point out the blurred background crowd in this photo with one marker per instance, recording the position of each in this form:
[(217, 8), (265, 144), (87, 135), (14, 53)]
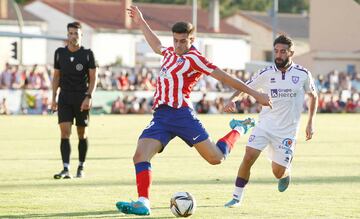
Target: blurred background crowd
[(338, 91)]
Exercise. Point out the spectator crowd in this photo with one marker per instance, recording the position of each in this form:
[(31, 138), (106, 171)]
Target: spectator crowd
[(338, 91)]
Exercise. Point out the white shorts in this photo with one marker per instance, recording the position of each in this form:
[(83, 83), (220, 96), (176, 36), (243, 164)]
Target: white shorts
[(280, 150)]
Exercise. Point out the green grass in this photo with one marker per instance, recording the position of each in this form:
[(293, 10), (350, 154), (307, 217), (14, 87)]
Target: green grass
[(326, 172)]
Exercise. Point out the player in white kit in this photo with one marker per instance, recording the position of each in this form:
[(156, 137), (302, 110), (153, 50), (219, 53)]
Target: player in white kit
[(286, 83)]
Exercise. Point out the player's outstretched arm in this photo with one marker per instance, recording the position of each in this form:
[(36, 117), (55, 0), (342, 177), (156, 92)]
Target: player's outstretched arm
[(222, 76), (151, 38), (313, 103)]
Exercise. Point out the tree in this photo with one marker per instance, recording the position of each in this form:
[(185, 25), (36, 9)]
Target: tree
[(293, 6), (21, 1)]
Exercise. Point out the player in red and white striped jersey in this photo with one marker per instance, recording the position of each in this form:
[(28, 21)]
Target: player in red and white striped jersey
[(181, 68), (178, 74)]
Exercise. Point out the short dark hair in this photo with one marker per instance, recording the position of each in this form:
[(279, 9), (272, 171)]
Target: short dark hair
[(283, 39), (74, 24), (183, 27)]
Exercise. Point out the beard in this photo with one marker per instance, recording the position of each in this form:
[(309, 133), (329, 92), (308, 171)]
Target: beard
[(281, 63), (74, 42)]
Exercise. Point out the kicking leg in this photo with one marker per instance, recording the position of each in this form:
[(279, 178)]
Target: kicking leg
[(215, 153)]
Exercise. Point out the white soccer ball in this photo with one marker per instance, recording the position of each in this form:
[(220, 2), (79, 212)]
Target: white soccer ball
[(182, 204)]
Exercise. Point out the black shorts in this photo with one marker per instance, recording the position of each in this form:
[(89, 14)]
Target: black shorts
[(69, 104)]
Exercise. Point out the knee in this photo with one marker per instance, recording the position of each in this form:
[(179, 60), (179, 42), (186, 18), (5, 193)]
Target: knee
[(65, 134), (82, 133), (278, 173), (137, 157), (215, 160), (248, 160)]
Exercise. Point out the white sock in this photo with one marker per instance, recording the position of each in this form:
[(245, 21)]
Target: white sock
[(240, 129), (145, 201), (66, 165), (238, 193)]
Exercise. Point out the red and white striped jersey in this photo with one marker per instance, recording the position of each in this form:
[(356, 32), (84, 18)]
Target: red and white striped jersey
[(177, 76)]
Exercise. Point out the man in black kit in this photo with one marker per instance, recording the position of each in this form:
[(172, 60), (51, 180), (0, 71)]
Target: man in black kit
[(75, 75)]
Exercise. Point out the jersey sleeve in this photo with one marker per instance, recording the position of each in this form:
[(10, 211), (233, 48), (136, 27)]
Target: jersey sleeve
[(56, 59), (200, 63), (309, 85), (91, 59), (165, 51), (256, 80)]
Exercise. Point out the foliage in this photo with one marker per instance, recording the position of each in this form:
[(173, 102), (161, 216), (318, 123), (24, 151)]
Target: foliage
[(21, 1)]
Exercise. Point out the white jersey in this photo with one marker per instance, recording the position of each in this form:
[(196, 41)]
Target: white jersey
[(287, 91)]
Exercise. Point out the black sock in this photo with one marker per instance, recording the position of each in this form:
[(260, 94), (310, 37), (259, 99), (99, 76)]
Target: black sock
[(83, 147), (65, 150)]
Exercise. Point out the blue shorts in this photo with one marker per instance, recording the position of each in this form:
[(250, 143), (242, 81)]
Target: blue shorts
[(169, 122)]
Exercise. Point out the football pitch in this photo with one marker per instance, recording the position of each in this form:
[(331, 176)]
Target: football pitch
[(325, 182)]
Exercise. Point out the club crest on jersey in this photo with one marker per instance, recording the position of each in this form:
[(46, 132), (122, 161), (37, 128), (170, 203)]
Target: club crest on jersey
[(180, 60), (272, 80), (295, 79), (72, 59), (79, 67)]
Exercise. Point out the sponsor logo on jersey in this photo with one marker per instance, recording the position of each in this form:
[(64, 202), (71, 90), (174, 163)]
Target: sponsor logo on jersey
[(79, 67), (274, 93), (295, 79), (279, 93)]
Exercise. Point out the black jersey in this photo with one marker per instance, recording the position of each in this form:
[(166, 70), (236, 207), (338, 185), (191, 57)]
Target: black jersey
[(74, 68)]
